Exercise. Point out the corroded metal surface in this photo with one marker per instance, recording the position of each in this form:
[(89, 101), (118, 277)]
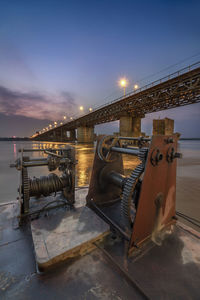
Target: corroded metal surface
[(156, 206)]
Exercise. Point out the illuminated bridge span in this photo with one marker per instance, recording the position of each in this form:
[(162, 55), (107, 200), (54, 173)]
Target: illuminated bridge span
[(177, 89)]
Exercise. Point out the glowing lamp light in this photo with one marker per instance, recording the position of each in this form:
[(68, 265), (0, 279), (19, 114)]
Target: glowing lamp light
[(55, 123), (135, 86), (64, 117), (71, 118), (123, 83), (61, 123), (81, 107), (90, 109)]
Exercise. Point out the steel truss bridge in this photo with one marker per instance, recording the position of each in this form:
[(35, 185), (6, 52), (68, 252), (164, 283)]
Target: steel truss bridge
[(177, 89)]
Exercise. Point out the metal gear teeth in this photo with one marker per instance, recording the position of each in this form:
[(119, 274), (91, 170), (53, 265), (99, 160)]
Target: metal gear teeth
[(127, 193), (25, 184), (143, 154)]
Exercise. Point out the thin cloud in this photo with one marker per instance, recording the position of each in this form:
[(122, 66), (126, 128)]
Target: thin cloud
[(35, 105)]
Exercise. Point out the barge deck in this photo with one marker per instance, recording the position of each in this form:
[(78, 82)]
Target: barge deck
[(170, 271)]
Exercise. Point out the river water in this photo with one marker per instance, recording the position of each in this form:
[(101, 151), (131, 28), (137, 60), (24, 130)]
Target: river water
[(188, 172)]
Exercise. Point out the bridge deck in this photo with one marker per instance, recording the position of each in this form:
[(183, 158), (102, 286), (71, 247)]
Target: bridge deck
[(173, 91)]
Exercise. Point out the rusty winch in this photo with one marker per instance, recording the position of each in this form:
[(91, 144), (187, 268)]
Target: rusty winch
[(60, 159), (141, 205)]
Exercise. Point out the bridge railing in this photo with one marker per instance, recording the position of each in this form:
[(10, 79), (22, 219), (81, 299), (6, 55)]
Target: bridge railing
[(156, 82)]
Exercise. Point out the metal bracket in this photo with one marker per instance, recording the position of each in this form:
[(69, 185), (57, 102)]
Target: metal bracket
[(156, 157)]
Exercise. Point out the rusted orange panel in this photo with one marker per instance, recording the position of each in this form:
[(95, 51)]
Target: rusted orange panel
[(156, 207)]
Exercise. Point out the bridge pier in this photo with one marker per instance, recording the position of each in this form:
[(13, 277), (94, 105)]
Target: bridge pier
[(68, 135), (130, 126), (85, 134), (57, 135), (163, 127), (72, 135)]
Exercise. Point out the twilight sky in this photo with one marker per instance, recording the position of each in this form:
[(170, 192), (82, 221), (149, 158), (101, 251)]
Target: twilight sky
[(58, 55)]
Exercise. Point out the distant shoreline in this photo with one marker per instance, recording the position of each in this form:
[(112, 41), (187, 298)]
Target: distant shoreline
[(4, 139), (189, 139)]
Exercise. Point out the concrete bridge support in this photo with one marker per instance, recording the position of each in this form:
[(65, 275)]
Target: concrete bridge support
[(72, 135), (85, 134), (163, 127), (130, 126)]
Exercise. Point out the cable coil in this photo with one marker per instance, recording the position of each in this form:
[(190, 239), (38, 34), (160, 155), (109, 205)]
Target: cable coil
[(45, 185)]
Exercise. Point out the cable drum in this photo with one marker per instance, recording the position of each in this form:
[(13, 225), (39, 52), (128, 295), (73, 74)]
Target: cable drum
[(45, 185)]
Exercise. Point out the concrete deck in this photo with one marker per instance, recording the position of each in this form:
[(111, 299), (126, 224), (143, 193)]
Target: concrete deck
[(66, 235)]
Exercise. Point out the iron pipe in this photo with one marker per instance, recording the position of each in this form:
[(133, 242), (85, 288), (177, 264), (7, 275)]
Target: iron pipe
[(125, 150), (116, 178), (35, 164), (134, 138)]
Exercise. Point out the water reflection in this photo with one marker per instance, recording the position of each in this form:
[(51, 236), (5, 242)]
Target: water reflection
[(9, 178), (15, 151), (84, 156), (84, 167)]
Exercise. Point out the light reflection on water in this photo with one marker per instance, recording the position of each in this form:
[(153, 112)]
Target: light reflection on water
[(9, 178)]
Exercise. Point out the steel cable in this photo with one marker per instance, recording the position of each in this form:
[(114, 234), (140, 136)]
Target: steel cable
[(45, 185)]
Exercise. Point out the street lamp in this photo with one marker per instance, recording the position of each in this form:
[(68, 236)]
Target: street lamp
[(61, 123), (71, 118), (123, 83), (81, 107), (64, 117), (90, 109), (135, 87)]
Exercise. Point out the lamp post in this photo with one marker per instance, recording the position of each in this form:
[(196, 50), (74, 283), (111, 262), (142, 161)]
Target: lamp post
[(123, 83)]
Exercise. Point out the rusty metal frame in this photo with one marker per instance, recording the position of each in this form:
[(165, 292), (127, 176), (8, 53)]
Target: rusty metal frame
[(156, 208)]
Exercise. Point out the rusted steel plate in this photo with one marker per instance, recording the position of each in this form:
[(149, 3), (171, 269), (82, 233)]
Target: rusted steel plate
[(156, 207)]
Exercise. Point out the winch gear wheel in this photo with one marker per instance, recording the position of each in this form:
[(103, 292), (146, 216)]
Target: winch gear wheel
[(25, 190), (127, 195)]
